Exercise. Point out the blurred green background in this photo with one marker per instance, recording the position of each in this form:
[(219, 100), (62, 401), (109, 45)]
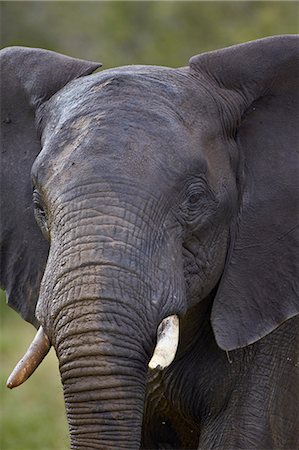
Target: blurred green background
[(115, 33), (165, 33)]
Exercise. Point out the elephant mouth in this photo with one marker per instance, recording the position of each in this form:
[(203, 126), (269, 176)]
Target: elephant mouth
[(163, 355)]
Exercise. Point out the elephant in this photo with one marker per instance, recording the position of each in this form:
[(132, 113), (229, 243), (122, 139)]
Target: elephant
[(149, 219)]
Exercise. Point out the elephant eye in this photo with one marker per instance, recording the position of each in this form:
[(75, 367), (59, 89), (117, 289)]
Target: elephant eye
[(40, 214), (197, 202), (195, 193), (195, 198)]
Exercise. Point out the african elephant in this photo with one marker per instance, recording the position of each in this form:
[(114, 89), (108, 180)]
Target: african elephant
[(167, 204)]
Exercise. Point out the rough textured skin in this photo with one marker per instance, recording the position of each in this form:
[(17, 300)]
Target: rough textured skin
[(160, 191)]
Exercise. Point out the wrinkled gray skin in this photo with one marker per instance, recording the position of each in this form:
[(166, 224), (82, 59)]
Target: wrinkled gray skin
[(161, 191)]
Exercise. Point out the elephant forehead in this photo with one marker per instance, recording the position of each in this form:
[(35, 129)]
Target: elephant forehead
[(132, 122), (93, 144), (154, 94)]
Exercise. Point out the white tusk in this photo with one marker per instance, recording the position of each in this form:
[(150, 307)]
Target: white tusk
[(38, 349), (167, 343)]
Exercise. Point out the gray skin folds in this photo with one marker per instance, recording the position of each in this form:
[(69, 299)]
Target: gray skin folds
[(159, 192)]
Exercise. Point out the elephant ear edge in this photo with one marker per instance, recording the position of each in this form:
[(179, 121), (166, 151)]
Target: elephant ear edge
[(29, 77), (256, 83)]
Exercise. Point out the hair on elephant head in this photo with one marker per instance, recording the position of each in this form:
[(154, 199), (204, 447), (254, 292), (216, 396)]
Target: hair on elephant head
[(167, 205)]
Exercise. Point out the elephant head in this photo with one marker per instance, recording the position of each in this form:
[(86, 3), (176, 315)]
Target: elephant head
[(154, 188)]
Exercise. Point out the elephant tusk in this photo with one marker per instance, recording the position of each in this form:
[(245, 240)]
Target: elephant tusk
[(167, 343), (38, 349)]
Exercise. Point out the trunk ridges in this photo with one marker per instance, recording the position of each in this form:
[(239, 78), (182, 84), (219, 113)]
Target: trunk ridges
[(105, 410), (89, 278), (103, 366)]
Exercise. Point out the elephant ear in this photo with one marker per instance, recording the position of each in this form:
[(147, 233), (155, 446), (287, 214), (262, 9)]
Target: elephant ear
[(256, 88), (29, 77)]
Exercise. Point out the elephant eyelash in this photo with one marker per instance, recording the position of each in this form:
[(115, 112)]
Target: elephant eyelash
[(198, 203), (40, 214), (194, 194), (37, 201)]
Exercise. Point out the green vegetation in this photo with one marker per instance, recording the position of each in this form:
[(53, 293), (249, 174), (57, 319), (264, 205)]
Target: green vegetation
[(115, 33), (158, 32)]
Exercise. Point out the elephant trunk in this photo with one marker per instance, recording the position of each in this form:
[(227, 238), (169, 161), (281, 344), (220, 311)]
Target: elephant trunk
[(106, 288), (104, 333), (103, 371), (103, 366)]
